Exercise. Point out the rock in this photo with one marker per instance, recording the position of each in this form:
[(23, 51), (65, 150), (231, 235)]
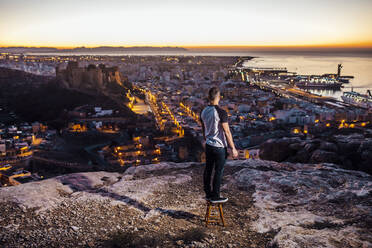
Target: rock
[(79, 185), (310, 147), (307, 204), (328, 146), (75, 228), (160, 166), (365, 145), (277, 149), (34, 194), (365, 151), (321, 156), (301, 157), (199, 244), (348, 144), (296, 146), (179, 242)]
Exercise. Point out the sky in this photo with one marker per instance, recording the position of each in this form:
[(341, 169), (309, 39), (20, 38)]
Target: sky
[(189, 23)]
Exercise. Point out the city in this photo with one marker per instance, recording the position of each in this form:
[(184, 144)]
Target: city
[(185, 124), (168, 93)]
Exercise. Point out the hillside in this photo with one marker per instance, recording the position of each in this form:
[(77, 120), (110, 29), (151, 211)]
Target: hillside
[(40, 98), (161, 205)]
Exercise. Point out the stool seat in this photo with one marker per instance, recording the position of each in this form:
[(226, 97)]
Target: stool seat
[(218, 201), (211, 216)]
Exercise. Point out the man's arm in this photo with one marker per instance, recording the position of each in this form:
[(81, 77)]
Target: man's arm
[(226, 129), (202, 124), (225, 126)]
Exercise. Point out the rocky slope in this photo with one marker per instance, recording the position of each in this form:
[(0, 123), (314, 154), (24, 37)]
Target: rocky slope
[(352, 151), (161, 205)]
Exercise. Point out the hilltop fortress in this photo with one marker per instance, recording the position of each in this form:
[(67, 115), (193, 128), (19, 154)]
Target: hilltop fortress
[(91, 77)]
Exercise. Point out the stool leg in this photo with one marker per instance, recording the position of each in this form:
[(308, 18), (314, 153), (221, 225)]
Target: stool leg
[(221, 214), (208, 215)]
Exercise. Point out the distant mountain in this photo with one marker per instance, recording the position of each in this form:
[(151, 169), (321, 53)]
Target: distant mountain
[(28, 49), (100, 49)]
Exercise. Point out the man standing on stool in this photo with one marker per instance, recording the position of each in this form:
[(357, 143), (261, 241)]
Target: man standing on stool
[(215, 131)]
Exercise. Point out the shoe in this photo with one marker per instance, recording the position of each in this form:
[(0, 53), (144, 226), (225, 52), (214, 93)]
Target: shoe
[(219, 199), (208, 197)]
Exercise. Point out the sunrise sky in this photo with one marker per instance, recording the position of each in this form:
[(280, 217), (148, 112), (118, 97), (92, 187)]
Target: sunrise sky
[(71, 23)]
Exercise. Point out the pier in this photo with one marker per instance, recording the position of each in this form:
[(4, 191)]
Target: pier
[(298, 94)]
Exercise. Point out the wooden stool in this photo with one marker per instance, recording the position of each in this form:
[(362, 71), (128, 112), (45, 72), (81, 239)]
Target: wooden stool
[(211, 216)]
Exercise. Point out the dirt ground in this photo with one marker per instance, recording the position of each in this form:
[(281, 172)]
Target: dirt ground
[(164, 224)]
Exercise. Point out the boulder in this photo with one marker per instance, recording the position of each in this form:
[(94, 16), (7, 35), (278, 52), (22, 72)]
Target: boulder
[(277, 149), (321, 156), (301, 157), (310, 147), (328, 146), (365, 151), (296, 146), (348, 146)]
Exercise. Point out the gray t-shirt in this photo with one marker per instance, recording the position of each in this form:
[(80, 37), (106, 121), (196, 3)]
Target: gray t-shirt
[(211, 117)]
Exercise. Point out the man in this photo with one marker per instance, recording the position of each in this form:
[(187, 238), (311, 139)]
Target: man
[(217, 135)]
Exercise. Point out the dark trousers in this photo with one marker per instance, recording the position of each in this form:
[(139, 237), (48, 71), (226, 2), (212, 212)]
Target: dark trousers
[(215, 158)]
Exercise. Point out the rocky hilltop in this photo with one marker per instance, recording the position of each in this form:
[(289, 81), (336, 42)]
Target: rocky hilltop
[(161, 205), (101, 79)]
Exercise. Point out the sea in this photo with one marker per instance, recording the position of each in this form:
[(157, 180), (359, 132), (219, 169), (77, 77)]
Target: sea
[(358, 65)]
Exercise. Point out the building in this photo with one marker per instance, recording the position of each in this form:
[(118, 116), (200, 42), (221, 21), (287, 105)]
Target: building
[(92, 77)]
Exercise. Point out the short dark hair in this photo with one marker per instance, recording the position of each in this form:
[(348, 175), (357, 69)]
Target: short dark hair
[(212, 93)]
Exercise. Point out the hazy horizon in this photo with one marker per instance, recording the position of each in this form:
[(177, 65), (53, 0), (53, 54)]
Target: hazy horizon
[(264, 49)]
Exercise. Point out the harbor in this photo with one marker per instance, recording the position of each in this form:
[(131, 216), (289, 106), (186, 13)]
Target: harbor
[(309, 87)]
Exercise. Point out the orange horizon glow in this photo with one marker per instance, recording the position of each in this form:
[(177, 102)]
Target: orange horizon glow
[(195, 46), (337, 45)]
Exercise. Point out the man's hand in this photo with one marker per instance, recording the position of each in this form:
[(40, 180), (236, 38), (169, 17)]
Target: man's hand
[(234, 153)]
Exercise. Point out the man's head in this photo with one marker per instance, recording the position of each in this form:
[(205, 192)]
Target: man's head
[(214, 95)]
